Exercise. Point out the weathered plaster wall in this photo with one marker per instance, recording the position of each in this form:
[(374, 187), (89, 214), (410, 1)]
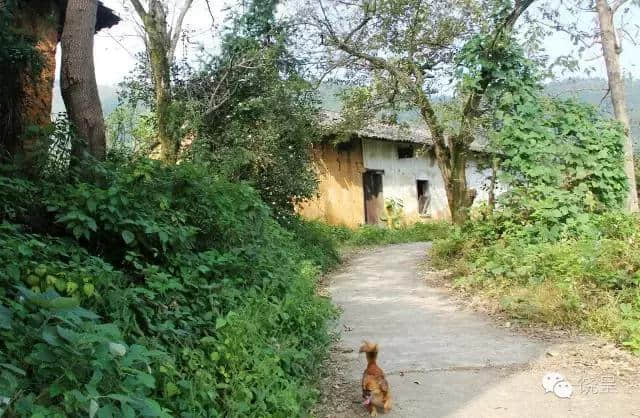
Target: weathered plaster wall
[(341, 197), (401, 175)]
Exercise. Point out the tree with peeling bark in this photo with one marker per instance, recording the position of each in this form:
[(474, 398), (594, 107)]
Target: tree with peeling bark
[(30, 31), (405, 48), (161, 40), (611, 49), (78, 80)]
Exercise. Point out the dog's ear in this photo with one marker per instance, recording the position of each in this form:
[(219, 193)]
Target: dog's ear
[(368, 347)]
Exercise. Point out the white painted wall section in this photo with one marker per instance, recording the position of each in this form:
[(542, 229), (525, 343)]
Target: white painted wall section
[(401, 175)]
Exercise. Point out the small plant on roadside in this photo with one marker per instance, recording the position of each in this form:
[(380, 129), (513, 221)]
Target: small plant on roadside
[(393, 213)]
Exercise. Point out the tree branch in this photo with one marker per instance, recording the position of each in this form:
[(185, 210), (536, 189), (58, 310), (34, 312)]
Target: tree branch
[(139, 9), (213, 20), (605, 95), (426, 108), (475, 97), (520, 7), (362, 24), (616, 5), (177, 29)]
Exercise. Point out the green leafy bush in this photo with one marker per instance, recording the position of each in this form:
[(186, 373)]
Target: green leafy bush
[(156, 291), (318, 241), (247, 112), (559, 168)]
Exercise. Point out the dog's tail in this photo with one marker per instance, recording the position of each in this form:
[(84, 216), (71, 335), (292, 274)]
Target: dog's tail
[(370, 349)]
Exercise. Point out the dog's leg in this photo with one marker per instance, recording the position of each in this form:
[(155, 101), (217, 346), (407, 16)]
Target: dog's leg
[(387, 405), (374, 411)]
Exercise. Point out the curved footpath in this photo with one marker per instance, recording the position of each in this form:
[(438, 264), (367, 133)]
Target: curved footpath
[(444, 361)]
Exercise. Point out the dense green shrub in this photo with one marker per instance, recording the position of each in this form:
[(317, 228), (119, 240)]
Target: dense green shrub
[(559, 168), (247, 112), (318, 241), (159, 291)]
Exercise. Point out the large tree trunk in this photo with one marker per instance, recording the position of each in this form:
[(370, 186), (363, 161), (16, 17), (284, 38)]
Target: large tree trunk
[(160, 69), (38, 96), (158, 45), (451, 156), (78, 80), (453, 165), (27, 94), (161, 41), (611, 50)]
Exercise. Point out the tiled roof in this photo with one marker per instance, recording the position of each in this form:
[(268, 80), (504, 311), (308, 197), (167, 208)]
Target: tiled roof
[(396, 133)]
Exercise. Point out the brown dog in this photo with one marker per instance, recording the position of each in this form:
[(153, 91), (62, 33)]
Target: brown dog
[(375, 388)]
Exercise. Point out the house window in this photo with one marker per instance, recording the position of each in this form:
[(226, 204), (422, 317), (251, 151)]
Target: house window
[(424, 197), (405, 151), (346, 146)]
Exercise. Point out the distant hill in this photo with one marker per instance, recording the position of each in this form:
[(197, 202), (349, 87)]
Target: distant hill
[(588, 90), (108, 97), (330, 100), (592, 90)]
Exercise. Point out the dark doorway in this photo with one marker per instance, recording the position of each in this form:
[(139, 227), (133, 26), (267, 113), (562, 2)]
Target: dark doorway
[(373, 201), (424, 197)]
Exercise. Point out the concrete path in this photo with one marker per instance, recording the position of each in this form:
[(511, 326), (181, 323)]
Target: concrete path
[(441, 360)]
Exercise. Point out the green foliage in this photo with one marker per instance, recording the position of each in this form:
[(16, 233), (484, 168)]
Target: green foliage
[(318, 240), (559, 167), (590, 90), (588, 282), (247, 112), (262, 133), (555, 249), (130, 128), (17, 51), (156, 291), (558, 159), (57, 358), (496, 65), (368, 235)]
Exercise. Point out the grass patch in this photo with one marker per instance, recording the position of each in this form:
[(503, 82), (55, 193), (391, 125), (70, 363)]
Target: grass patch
[(371, 235), (589, 283)]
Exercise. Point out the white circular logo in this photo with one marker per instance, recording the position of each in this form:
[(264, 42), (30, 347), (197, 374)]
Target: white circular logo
[(549, 381), (556, 383), (563, 389)]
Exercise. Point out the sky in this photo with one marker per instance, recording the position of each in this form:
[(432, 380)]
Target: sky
[(115, 48)]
